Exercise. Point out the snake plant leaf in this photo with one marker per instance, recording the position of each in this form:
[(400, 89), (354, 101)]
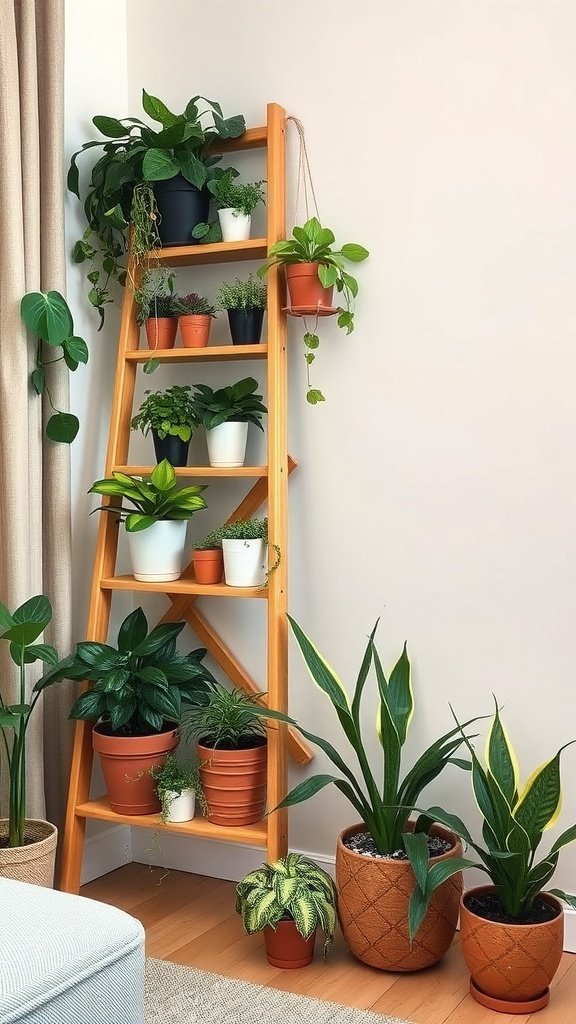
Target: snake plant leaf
[(322, 674), (539, 804), (501, 760), (567, 897), (416, 846), (307, 789), (567, 837), (400, 695), (362, 677)]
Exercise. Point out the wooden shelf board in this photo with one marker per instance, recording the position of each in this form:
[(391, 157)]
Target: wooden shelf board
[(216, 252), (247, 834), (182, 586), (201, 355), (253, 138), (199, 471)]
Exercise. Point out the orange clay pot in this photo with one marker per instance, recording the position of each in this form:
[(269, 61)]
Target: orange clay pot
[(161, 331), (304, 286), (511, 966), (208, 565), (234, 783), (195, 330), (373, 897), (124, 759), (286, 948)]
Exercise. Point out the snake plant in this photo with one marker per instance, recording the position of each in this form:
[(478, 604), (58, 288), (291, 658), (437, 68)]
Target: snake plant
[(290, 888)]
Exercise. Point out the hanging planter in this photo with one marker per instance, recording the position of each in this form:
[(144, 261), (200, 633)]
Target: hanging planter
[(169, 415), (306, 291), (235, 204), (245, 302), (226, 414)]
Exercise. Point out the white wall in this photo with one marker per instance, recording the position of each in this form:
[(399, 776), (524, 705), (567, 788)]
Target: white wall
[(435, 485)]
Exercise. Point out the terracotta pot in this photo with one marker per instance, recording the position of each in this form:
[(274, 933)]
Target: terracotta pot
[(125, 761), (286, 948), (208, 565), (195, 330), (161, 331), (373, 898), (34, 862), (511, 965), (234, 783), (304, 286)]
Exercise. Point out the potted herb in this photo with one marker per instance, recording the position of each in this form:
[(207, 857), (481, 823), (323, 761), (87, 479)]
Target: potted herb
[(208, 561), (155, 179), (156, 308), (313, 267), (232, 754), (170, 416), (245, 302), (27, 845), (412, 872), (512, 931), (244, 548), (139, 690), (195, 315), (235, 203), (226, 414), (288, 901), (177, 786), (157, 528)]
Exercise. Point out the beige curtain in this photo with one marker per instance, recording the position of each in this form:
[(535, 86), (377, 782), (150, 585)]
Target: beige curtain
[(34, 472)]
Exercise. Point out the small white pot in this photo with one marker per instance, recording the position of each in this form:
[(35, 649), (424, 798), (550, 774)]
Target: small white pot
[(227, 444), (234, 225), (244, 563), (158, 553), (182, 805)]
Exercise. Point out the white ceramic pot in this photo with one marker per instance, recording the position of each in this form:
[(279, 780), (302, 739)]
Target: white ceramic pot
[(182, 805), (158, 553), (234, 225), (227, 444), (244, 563)]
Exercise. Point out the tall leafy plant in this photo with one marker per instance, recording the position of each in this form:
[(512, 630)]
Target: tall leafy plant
[(153, 500)]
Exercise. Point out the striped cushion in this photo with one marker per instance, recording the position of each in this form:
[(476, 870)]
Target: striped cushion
[(67, 960)]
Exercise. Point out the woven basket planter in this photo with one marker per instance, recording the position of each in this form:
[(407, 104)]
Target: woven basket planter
[(34, 862)]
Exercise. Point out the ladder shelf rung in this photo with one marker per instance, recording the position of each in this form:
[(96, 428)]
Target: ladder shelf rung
[(214, 252), (248, 835), (182, 586), (201, 355), (199, 471)]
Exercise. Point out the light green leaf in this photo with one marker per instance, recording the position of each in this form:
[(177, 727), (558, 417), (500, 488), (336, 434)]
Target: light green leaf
[(163, 477)]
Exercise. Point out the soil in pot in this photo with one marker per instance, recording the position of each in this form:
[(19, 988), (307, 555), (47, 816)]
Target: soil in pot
[(286, 948), (305, 287), (373, 897), (511, 965), (195, 330), (126, 762), (172, 448), (34, 861), (161, 331), (208, 565), (246, 325), (181, 206), (234, 781)]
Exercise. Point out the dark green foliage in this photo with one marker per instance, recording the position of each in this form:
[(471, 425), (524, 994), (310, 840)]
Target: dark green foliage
[(194, 305), (155, 296), (247, 294), (169, 413), (236, 402), (226, 718), (229, 195)]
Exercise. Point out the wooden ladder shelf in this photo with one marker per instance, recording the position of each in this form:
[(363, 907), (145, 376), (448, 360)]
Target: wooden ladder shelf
[(270, 485)]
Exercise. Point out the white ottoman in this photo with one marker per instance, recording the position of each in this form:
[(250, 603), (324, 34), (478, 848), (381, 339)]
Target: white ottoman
[(67, 960)]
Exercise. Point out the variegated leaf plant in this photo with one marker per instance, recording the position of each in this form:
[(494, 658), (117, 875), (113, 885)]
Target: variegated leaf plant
[(514, 821), (292, 887)]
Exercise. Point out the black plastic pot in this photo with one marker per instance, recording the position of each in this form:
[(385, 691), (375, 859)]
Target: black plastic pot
[(246, 325), (181, 207), (171, 448)]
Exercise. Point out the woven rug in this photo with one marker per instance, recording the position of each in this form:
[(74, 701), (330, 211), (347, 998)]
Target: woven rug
[(183, 995)]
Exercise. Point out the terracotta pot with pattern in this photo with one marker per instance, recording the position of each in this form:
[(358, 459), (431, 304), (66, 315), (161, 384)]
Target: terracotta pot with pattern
[(234, 782), (511, 965), (373, 896)]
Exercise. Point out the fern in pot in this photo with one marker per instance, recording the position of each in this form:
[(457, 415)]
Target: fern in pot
[(232, 754), (226, 414), (245, 302), (235, 203), (288, 900), (169, 416)]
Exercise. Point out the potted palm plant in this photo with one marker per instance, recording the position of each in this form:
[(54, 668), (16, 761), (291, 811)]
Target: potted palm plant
[(156, 308), (178, 786), (244, 549), (156, 528), (235, 203), (226, 413), (139, 690), (512, 931), (288, 900), (27, 845), (245, 302), (195, 316), (232, 754), (399, 882), (208, 560), (154, 179), (169, 415), (313, 267)]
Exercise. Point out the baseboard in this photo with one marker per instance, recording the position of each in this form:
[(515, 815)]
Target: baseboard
[(105, 851)]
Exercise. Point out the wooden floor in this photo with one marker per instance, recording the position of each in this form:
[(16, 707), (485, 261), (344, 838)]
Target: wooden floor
[(190, 920)]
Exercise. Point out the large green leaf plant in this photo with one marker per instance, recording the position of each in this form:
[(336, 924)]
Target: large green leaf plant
[(152, 500)]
